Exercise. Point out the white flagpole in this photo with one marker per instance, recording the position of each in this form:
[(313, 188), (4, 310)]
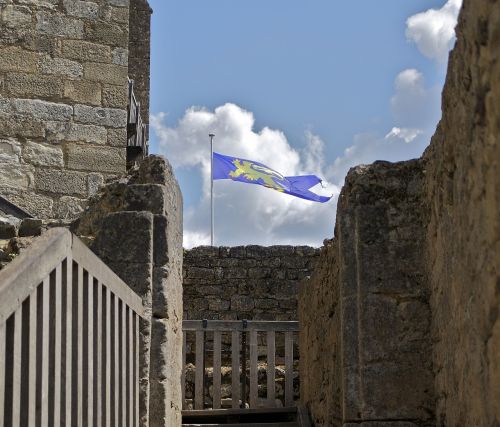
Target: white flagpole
[(211, 135)]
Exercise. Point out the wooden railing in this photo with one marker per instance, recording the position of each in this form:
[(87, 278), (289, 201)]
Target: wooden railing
[(69, 338), (137, 138), (240, 331)]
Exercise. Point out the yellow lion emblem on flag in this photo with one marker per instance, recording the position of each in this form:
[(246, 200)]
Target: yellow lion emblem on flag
[(253, 172)]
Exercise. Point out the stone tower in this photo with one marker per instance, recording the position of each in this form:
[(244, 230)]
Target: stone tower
[(66, 120)]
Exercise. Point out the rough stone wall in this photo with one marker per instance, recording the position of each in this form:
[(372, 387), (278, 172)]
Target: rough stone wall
[(135, 226), (139, 52), (320, 362), (63, 101), (245, 282), (463, 235)]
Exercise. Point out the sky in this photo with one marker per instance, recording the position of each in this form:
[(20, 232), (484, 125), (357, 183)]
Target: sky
[(305, 87)]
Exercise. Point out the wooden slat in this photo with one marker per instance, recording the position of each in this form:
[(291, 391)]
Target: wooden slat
[(69, 339), (237, 325), (107, 358), (137, 350), (199, 374), (130, 376), (57, 345), (123, 364), (2, 371), (271, 354), (32, 360), (78, 398), (98, 336), (254, 380), (90, 350), (183, 375), (21, 276), (44, 411), (235, 368), (104, 274), (16, 382), (288, 368), (217, 371), (116, 386)]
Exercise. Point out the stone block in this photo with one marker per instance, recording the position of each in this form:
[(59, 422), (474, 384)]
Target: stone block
[(14, 16), (111, 117), (16, 175), (10, 150), (98, 159), (115, 96), (61, 67), (30, 227), (84, 51), (120, 56), (61, 182), (107, 33), (120, 3), (83, 91), (42, 155), (106, 73), (14, 58), (49, 4), (18, 84), (149, 198), (8, 229), (57, 24), (81, 9), (68, 207), (117, 137), (35, 204), (242, 303), (126, 237), (76, 132), (43, 110), (95, 182)]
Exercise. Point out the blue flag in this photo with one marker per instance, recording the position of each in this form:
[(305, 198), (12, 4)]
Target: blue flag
[(237, 169)]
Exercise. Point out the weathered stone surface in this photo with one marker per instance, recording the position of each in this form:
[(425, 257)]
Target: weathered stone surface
[(117, 137), (17, 126), (107, 33), (42, 109), (14, 16), (83, 91), (84, 51), (114, 96), (14, 58), (111, 117), (18, 84), (120, 56), (60, 67), (61, 182), (463, 233), (106, 73), (35, 204), (68, 208), (95, 158), (30, 227), (57, 24), (81, 9), (42, 155), (8, 230)]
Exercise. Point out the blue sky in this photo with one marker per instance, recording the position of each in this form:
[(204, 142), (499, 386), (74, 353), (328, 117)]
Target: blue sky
[(332, 84)]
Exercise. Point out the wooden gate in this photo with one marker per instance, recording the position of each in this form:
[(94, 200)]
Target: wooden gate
[(69, 339), (242, 332)]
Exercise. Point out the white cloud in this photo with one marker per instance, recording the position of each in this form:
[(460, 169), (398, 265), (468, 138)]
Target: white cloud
[(406, 134), (246, 213), (433, 31), (413, 104)]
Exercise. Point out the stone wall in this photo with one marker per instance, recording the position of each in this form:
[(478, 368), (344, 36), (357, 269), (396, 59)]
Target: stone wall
[(63, 101), (415, 284), (135, 226), (139, 52), (463, 234), (320, 362), (245, 282)]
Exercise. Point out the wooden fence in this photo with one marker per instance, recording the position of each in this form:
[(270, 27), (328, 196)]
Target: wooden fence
[(69, 339), (240, 332)]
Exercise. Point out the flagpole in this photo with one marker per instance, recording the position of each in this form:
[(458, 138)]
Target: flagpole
[(211, 135)]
